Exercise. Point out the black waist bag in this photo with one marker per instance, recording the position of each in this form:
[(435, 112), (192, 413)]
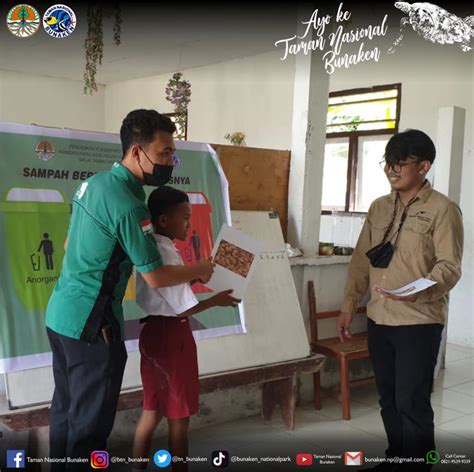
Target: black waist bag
[(380, 255)]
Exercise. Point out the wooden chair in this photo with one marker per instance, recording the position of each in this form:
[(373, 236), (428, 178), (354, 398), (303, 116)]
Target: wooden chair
[(344, 352)]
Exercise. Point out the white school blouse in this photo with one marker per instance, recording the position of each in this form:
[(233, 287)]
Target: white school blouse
[(167, 301)]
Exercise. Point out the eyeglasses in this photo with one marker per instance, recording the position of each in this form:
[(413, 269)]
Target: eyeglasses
[(166, 155), (397, 166)]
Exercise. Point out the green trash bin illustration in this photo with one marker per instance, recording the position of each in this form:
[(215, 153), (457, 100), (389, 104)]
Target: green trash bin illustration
[(36, 222)]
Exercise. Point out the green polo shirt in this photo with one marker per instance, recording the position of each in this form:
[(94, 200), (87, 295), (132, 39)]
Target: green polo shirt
[(109, 233)]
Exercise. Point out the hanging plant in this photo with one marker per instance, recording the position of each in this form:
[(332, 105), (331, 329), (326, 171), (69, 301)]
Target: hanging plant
[(236, 139), (178, 92), (118, 26), (94, 44)]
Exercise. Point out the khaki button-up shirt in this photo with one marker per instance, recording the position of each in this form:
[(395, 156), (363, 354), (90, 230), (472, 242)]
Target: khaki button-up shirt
[(430, 245)]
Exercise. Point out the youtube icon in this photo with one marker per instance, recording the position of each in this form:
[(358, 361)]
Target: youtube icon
[(304, 459)]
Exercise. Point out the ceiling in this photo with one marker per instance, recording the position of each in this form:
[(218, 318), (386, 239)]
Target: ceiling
[(154, 41), (158, 38)]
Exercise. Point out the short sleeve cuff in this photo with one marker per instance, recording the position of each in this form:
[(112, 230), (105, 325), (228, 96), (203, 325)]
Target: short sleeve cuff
[(151, 266)]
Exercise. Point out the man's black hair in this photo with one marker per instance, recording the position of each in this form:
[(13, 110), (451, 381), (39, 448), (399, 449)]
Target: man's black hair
[(140, 127), (411, 142), (165, 199)]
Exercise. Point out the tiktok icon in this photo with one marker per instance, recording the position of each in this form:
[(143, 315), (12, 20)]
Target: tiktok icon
[(220, 458)]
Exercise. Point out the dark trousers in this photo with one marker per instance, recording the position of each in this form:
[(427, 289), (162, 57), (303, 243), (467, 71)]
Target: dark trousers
[(87, 378), (404, 359)]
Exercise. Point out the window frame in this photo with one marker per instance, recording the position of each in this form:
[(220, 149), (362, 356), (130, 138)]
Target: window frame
[(354, 140)]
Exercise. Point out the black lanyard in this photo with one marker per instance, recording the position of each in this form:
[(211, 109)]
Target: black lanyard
[(402, 220)]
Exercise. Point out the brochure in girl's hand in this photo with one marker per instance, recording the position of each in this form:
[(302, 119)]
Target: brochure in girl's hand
[(234, 254), (411, 288)]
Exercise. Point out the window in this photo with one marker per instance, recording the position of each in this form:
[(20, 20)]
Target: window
[(335, 174), (181, 122), (359, 124)]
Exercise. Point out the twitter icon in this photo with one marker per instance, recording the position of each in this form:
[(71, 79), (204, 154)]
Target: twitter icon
[(162, 458)]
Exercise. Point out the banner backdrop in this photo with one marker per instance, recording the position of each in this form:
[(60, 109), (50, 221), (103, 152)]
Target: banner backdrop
[(40, 169)]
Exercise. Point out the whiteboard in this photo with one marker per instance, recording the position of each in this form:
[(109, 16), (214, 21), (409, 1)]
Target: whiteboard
[(274, 321)]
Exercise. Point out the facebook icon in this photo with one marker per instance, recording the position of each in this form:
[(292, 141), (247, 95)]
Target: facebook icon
[(15, 459)]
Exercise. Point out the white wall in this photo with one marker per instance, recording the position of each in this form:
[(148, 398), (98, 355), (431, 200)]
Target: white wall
[(50, 102), (461, 319), (253, 95)]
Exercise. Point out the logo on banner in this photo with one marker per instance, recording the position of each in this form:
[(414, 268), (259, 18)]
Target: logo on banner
[(23, 21), (147, 227), (176, 160), (59, 21), (44, 151)]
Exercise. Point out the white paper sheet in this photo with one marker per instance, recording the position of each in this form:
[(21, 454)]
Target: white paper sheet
[(411, 288), (235, 255)]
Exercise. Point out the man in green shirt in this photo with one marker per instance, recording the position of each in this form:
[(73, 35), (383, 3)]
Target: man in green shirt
[(110, 232)]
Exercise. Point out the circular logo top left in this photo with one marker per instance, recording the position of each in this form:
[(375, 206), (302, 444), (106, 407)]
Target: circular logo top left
[(44, 150), (23, 20), (59, 21)]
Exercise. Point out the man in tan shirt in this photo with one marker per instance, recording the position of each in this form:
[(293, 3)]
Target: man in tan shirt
[(425, 232)]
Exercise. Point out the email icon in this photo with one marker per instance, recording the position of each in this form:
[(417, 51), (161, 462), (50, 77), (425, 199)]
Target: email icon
[(353, 458)]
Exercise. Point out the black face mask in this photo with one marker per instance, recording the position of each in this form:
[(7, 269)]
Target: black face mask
[(161, 174)]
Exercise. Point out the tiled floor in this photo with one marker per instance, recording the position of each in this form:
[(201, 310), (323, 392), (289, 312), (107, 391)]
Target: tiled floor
[(323, 432)]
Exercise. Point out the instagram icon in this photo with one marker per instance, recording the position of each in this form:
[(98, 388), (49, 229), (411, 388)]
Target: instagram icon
[(100, 460)]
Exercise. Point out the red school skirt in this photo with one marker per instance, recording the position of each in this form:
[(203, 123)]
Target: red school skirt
[(169, 367)]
